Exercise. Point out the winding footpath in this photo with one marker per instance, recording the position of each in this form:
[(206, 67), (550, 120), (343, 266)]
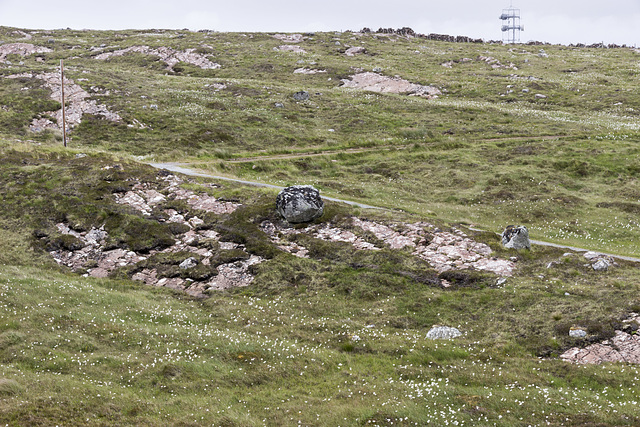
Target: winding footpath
[(180, 168)]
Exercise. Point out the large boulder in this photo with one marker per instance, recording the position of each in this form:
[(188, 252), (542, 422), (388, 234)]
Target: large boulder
[(300, 203), (516, 237)]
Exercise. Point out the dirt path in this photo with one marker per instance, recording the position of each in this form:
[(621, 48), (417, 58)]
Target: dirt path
[(181, 168), (329, 152)]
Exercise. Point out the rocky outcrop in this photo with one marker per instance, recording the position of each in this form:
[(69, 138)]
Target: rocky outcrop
[(290, 48), (516, 237), (353, 51), (623, 347), (90, 252), (300, 203), (443, 250), (169, 56), (289, 38), (22, 49), (76, 98), (375, 82)]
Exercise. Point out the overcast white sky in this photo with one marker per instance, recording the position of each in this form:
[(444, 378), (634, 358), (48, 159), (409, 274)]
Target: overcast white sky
[(554, 21)]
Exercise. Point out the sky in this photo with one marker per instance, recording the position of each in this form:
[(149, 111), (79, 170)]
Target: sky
[(553, 21)]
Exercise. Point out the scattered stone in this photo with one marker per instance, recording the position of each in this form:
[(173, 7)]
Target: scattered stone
[(290, 48), (300, 203), (279, 105), (501, 281), (540, 96), (169, 56), (289, 38), (303, 95), (356, 50), (516, 237), (623, 347), (600, 262), (375, 82), (443, 332), (493, 62)]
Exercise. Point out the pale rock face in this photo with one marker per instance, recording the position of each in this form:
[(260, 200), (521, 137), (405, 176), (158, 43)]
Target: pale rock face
[(300, 203), (577, 333), (353, 51), (443, 332), (375, 82), (623, 347), (516, 237)]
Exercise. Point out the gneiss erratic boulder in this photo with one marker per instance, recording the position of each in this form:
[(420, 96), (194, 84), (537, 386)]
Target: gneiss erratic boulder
[(300, 203), (516, 237)]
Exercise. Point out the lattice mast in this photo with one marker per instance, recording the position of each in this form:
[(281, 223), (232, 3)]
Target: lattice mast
[(511, 26)]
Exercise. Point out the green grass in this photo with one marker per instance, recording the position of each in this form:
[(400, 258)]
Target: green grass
[(340, 338), (93, 351)]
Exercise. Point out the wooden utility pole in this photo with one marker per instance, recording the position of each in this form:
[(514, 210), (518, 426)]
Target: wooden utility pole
[(64, 120)]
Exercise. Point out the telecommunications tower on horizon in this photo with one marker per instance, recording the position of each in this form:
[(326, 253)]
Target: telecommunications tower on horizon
[(511, 25)]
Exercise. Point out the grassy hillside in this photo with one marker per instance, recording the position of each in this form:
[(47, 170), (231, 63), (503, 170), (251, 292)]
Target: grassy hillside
[(544, 136)]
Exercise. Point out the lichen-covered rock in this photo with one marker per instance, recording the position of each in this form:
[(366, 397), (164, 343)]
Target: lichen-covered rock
[(302, 95), (516, 237), (600, 265), (443, 332), (300, 203)]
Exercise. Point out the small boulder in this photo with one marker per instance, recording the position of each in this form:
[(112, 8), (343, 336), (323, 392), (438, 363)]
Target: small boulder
[(516, 237), (443, 332), (592, 256), (600, 265), (300, 203), (303, 95), (577, 332), (188, 263)]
